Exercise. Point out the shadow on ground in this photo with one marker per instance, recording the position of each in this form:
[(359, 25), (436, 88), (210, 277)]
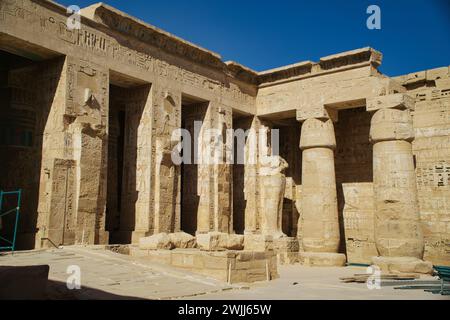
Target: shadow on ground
[(57, 290)]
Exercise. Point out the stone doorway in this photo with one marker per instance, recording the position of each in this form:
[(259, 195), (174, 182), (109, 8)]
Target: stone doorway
[(27, 91), (193, 110)]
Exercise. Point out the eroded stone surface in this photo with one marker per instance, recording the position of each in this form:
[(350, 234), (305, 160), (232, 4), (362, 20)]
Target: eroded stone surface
[(218, 241), (156, 241), (182, 240), (403, 265), (258, 242)]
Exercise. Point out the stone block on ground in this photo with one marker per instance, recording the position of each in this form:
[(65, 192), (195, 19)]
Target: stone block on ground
[(183, 240), (156, 241), (403, 265), (218, 241)]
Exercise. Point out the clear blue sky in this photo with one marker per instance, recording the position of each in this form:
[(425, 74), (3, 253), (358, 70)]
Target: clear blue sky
[(264, 34)]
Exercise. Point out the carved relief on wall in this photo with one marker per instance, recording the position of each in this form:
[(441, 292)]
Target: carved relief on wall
[(93, 42)]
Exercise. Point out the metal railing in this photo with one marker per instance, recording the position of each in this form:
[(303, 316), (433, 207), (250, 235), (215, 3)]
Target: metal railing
[(11, 244)]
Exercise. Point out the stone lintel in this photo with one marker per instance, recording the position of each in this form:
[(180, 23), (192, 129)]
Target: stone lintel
[(317, 112), (352, 57), (292, 70), (242, 72), (398, 101), (123, 23)]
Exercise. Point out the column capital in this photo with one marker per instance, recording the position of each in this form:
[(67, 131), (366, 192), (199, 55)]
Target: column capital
[(399, 101), (317, 133), (389, 124)]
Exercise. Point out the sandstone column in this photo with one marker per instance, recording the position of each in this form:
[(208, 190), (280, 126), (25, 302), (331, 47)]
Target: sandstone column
[(319, 223), (398, 234), (214, 219), (157, 206), (166, 177), (214, 171), (87, 113), (74, 158), (251, 179)]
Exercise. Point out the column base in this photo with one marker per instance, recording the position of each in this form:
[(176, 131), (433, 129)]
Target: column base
[(102, 237), (137, 235), (286, 249), (219, 241), (322, 259), (403, 265), (258, 242)]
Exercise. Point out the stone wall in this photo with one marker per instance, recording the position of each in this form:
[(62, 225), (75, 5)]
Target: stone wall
[(431, 148)]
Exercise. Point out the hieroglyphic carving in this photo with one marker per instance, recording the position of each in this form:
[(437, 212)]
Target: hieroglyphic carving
[(102, 45), (359, 222)]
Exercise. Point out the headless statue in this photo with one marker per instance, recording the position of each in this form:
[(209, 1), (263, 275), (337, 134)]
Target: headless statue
[(273, 184)]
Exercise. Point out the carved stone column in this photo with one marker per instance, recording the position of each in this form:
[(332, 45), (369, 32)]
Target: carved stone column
[(214, 218), (251, 179), (214, 171), (74, 160), (319, 223), (157, 206), (398, 234)]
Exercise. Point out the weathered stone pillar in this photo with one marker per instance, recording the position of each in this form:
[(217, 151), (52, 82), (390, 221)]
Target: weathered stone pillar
[(157, 206), (214, 171), (214, 218), (87, 113), (251, 179), (319, 223), (74, 158), (135, 174), (398, 234), (166, 179)]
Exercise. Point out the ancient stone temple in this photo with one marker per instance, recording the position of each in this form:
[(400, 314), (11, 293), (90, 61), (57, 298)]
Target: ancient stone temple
[(89, 127)]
